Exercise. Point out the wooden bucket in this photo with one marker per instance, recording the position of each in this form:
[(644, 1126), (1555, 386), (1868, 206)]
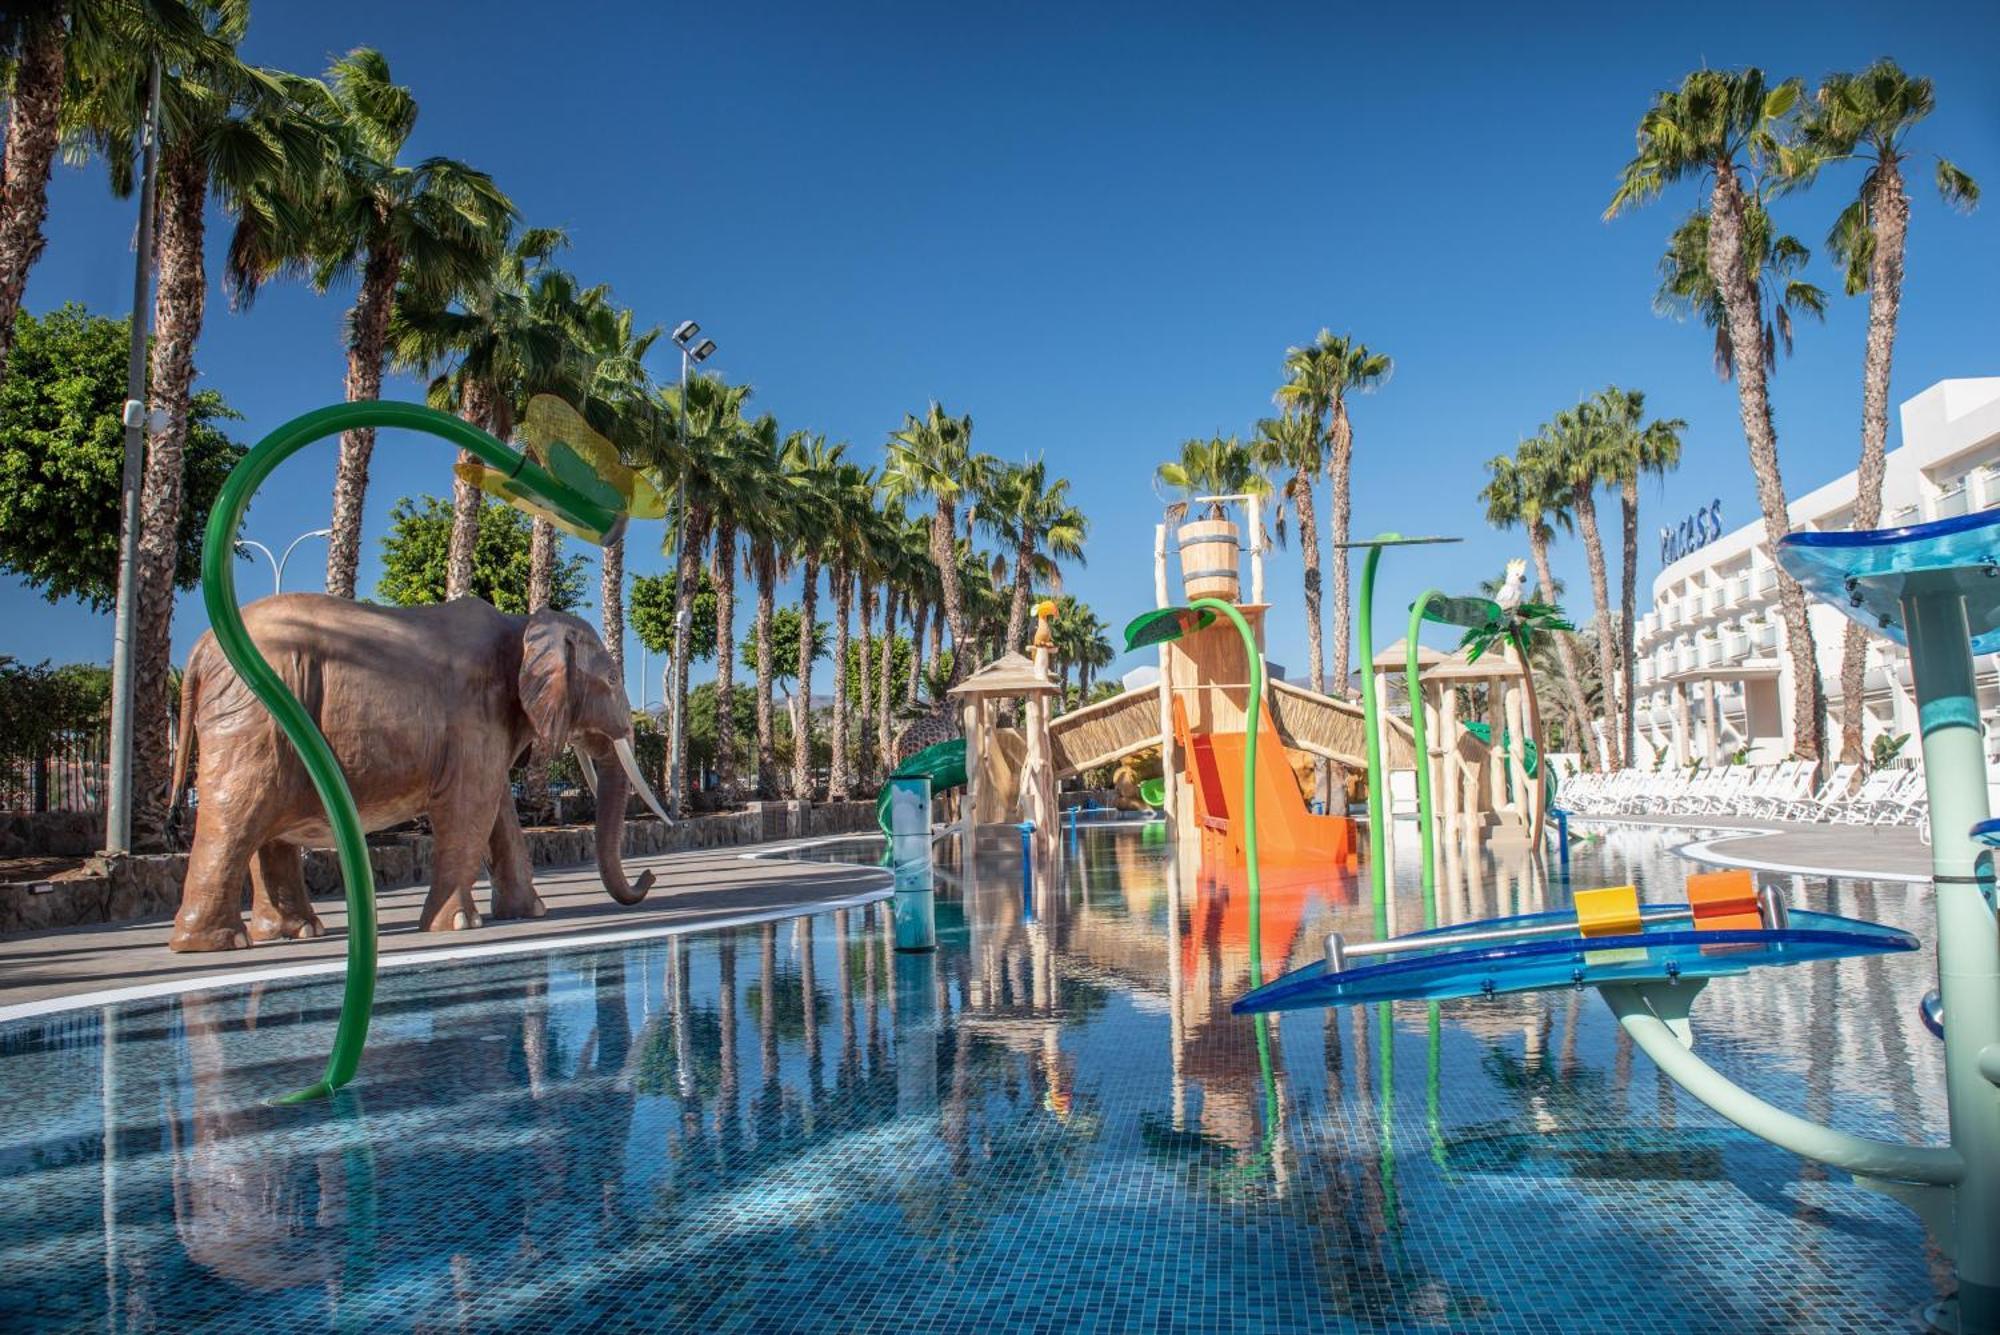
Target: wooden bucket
[(1208, 559)]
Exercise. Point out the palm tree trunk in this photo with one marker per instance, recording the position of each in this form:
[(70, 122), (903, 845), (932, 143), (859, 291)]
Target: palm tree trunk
[(1584, 504), (611, 603), (724, 568), (1017, 610), (1727, 265), (693, 541), (475, 405), (1891, 210), (368, 336), (866, 692), (937, 636), (802, 786), (837, 782), (944, 554), (920, 615), (884, 712), (1538, 548), (179, 304), (541, 565), (1340, 469), (34, 112), (766, 563), (1628, 504)]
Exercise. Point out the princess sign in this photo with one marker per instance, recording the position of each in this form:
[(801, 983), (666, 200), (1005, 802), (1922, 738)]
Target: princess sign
[(1691, 534)]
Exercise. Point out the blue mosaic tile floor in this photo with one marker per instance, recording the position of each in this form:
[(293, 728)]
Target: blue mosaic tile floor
[(1052, 1123)]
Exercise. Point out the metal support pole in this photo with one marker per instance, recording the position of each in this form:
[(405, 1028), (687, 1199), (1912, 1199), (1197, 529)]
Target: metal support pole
[(1426, 818), (1378, 871), (683, 613), (118, 801), (1941, 669)]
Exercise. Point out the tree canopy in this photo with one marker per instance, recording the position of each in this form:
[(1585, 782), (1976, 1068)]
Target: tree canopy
[(415, 548), (653, 615), (62, 457)]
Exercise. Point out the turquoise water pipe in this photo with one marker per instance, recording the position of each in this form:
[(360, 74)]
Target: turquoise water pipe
[(225, 615)]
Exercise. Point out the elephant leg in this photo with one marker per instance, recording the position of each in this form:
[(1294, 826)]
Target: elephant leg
[(279, 907), (462, 827), (211, 913), (513, 875)]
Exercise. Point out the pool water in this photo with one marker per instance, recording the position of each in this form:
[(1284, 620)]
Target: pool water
[(1051, 1122)]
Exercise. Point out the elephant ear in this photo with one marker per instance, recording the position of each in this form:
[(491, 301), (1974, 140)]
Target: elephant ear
[(548, 672)]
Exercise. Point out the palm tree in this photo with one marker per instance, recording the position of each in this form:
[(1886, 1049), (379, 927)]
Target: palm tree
[(920, 577), (812, 465), (1292, 447), (1081, 643), (70, 68), (700, 449), (1651, 449), (739, 486), (488, 346), (1032, 517), (1867, 117), (616, 396), (843, 527), (1218, 466), (1524, 490), (1320, 376), (34, 48), (769, 524), (1723, 127), (430, 227), (1578, 449), (1775, 260), (931, 456), (230, 130)]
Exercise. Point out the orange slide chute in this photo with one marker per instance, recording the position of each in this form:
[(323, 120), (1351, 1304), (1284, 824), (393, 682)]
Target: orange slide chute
[(1288, 833)]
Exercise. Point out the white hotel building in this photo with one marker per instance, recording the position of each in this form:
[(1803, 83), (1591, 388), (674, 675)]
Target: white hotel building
[(1709, 662)]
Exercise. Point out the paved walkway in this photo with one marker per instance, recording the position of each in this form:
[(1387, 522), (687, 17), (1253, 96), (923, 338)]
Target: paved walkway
[(1858, 852), (705, 889)]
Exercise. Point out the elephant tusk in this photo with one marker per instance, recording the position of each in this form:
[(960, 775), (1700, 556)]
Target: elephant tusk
[(639, 784), (585, 767)]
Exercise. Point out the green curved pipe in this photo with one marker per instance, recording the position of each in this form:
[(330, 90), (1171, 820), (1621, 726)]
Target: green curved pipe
[(218, 590)]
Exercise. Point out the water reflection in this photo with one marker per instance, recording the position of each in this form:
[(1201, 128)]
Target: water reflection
[(793, 1124)]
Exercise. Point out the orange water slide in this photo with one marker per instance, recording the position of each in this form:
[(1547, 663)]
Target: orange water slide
[(1289, 834)]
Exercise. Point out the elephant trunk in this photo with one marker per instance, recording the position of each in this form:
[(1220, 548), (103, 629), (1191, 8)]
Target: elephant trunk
[(612, 790)]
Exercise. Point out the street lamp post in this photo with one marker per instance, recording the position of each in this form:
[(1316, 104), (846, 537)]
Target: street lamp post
[(244, 546), (693, 353), (118, 801)]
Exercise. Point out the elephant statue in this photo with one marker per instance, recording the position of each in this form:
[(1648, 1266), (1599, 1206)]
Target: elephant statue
[(426, 709)]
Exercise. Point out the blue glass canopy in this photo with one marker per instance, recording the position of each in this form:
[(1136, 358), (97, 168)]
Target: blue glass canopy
[(1987, 832), (1865, 574), (1672, 950)]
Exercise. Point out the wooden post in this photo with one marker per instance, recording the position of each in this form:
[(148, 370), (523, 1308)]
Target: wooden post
[(1169, 766)]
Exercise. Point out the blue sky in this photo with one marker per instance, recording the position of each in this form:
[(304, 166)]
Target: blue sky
[(1097, 229)]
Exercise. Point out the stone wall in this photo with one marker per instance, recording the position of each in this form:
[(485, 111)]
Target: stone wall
[(111, 890)]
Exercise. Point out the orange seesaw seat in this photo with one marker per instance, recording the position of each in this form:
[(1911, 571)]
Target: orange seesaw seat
[(1288, 833), (1724, 901)]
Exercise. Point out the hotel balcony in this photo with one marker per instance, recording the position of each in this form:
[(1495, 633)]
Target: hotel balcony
[(1764, 582), (1763, 637), (1735, 646), (1660, 715), (1710, 653), (1684, 657), (1642, 672), (1951, 502), (1984, 485), (1909, 514), (1735, 590), (1711, 601)]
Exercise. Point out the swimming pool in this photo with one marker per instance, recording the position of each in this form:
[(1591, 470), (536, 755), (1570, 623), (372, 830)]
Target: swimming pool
[(1053, 1121)]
